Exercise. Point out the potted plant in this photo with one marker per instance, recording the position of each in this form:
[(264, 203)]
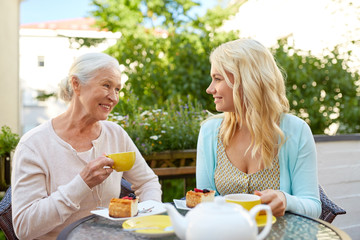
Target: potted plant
[(8, 142)]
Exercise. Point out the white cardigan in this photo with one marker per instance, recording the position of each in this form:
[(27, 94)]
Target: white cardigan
[(47, 191)]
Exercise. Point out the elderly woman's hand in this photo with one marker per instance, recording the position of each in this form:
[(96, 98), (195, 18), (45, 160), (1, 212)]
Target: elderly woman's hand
[(275, 199), (97, 170)]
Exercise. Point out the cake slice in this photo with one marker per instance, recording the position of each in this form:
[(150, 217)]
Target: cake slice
[(197, 196), (123, 207)]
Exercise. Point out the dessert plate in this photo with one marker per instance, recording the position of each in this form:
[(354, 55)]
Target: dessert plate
[(181, 204), (150, 226), (156, 208)]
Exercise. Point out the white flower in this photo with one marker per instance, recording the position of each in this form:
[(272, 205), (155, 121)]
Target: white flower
[(155, 137), (145, 113), (162, 131), (119, 118)]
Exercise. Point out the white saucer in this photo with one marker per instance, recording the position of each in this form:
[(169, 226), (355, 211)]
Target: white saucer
[(158, 208)]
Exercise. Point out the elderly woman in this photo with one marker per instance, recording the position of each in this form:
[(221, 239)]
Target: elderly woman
[(60, 171), (255, 146)]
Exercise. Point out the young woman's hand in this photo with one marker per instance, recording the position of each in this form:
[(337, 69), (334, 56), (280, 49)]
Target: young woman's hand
[(275, 199), (97, 170)]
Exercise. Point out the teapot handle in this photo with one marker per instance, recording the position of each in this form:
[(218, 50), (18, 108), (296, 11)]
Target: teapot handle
[(254, 211)]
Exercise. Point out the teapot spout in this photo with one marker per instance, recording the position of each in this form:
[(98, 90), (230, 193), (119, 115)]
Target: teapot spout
[(177, 220)]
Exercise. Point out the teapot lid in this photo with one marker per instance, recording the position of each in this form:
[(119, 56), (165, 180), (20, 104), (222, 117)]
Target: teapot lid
[(219, 206)]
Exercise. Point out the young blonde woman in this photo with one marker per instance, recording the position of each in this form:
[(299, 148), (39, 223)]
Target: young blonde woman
[(255, 146)]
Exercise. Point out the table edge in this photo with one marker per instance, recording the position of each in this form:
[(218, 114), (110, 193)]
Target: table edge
[(342, 234), (66, 231)]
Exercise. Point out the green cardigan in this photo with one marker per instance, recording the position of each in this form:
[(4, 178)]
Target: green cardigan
[(297, 159)]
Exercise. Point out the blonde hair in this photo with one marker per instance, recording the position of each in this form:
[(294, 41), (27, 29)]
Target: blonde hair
[(259, 95), (84, 68)]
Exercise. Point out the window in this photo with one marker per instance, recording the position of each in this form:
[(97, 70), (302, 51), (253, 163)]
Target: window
[(41, 61)]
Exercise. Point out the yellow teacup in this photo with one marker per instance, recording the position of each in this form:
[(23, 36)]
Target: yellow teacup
[(122, 161), (247, 201)]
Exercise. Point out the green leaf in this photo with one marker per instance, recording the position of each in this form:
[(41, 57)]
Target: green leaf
[(8, 141)]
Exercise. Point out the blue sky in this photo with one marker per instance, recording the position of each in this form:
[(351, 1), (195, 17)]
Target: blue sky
[(34, 11)]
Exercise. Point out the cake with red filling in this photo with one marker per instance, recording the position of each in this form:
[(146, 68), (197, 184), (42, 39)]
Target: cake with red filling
[(124, 207), (197, 196)]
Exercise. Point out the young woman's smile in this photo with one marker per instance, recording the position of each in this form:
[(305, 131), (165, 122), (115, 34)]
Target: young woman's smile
[(222, 93)]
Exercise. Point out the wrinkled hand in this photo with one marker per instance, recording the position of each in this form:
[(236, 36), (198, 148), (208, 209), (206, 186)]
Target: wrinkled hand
[(94, 172), (275, 199)]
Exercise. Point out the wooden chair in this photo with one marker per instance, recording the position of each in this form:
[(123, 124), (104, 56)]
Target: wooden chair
[(6, 216), (329, 210)]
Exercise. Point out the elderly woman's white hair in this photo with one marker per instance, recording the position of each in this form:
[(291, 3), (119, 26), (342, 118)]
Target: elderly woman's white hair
[(84, 68)]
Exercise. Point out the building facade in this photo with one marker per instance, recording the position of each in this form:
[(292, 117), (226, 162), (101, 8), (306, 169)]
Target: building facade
[(9, 66)]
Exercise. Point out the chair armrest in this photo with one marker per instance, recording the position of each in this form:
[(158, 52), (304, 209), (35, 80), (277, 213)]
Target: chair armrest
[(125, 188), (6, 216), (329, 209), (329, 204)]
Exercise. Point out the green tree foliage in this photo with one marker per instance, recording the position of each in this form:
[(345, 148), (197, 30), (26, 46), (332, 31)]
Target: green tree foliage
[(322, 91), (164, 48)]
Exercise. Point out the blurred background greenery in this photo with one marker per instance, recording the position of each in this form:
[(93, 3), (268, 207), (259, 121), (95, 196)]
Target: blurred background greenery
[(174, 125), (165, 52), (175, 188)]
